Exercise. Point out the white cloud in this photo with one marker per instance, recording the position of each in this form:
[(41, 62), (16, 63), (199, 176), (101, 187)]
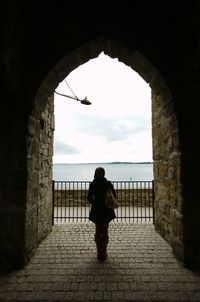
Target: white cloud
[(116, 127)]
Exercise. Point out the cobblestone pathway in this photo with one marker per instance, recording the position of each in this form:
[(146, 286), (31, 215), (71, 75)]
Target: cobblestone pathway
[(140, 267)]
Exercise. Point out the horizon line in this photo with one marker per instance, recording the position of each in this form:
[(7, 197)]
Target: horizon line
[(115, 162)]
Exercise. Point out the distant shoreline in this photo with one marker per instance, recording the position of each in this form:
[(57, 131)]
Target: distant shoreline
[(110, 163)]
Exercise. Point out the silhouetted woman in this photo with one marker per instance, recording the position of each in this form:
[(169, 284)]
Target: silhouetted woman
[(99, 213)]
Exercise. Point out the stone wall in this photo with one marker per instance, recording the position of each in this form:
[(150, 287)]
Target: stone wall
[(13, 184), (39, 187), (166, 155), (45, 173)]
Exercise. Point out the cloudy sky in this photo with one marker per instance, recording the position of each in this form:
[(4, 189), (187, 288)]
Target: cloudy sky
[(116, 127)]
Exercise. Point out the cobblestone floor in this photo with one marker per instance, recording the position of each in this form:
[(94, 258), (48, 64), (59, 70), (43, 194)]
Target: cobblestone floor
[(140, 267)]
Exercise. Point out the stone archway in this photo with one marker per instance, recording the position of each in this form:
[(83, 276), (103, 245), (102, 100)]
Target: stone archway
[(166, 154), (29, 55)]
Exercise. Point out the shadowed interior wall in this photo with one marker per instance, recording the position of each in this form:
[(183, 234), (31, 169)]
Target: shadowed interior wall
[(39, 49), (39, 174)]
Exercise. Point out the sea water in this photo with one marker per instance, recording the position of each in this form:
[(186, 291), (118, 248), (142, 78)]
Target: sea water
[(113, 171)]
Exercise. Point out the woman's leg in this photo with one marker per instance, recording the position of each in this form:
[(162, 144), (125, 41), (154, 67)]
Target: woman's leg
[(101, 239), (98, 238), (105, 237)]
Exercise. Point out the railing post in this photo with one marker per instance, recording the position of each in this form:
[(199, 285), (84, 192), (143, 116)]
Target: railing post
[(53, 191), (153, 197)]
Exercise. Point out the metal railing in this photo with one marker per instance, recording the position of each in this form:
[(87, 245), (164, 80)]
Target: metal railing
[(135, 198)]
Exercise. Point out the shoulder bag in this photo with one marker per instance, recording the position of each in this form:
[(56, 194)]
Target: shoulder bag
[(110, 200)]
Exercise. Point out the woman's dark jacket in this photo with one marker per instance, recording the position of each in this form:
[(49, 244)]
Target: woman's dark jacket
[(99, 213)]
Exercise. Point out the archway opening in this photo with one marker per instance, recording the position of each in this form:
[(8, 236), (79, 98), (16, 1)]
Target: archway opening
[(114, 132), (116, 127), (166, 155)]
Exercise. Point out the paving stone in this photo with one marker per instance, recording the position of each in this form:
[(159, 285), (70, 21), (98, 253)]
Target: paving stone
[(140, 267)]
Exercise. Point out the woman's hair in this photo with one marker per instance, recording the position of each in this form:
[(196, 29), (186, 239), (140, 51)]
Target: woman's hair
[(99, 172)]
